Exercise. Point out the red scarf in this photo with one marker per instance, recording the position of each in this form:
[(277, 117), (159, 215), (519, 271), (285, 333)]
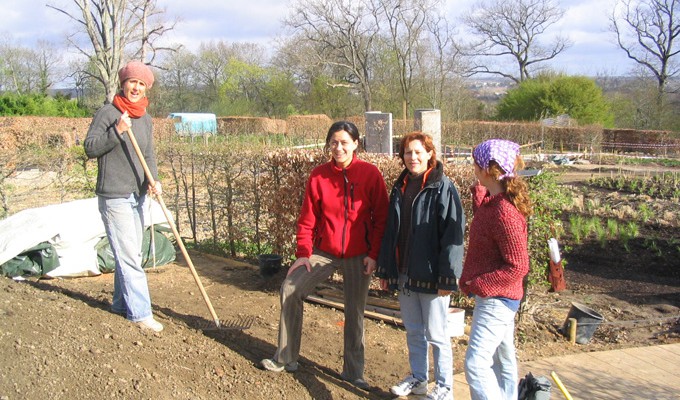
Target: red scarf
[(134, 110)]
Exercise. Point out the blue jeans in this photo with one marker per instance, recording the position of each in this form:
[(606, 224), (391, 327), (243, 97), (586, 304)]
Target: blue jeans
[(123, 220), (425, 316), (490, 361)]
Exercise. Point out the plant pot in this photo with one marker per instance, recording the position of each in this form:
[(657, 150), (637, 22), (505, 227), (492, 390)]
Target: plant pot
[(270, 264), (587, 321)]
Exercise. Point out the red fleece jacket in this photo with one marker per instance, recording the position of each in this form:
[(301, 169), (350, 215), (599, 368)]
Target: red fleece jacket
[(344, 211), (497, 257)]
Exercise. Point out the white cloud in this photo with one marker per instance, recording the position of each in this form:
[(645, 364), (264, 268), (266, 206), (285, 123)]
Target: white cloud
[(259, 21), (248, 21), (28, 22)]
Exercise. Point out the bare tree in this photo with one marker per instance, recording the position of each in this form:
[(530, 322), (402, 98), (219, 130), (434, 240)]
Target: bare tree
[(316, 83), (47, 60), (28, 70), (342, 34), (17, 69), (114, 29), (79, 79), (211, 68), (152, 27), (407, 21), (646, 30), (441, 69), (511, 30), (179, 80)]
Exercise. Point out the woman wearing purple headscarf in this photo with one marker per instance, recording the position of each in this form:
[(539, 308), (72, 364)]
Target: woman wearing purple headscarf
[(496, 262)]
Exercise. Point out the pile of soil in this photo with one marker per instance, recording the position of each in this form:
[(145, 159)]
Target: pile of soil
[(60, 341)]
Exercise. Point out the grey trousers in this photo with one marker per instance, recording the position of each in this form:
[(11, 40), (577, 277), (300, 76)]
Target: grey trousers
[(296, 287)]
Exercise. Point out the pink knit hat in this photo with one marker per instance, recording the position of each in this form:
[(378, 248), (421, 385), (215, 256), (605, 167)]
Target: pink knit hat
[(137, 70)]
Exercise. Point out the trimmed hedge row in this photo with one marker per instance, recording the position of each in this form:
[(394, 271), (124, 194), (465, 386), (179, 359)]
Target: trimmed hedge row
[(20, 132)]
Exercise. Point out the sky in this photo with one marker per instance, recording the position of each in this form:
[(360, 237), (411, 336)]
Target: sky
[(593, 51)]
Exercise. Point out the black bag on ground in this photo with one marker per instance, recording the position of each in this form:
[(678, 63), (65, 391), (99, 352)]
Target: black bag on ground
[(534, 388)]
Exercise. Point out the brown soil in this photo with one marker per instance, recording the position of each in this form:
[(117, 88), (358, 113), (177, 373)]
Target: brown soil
[(59, 340)]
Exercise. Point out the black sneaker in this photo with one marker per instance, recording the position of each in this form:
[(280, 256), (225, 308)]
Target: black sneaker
[(358, 383)]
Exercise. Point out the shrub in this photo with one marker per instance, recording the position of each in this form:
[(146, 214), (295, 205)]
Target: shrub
[(243, 197), (12, 104), (549, 200)]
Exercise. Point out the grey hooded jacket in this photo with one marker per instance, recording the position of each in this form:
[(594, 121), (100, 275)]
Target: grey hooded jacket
[(120, 170)]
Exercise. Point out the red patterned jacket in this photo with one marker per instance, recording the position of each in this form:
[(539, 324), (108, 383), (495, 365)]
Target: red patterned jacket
[(497, 257)]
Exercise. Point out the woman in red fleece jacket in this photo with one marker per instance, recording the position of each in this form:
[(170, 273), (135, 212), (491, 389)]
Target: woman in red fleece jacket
[(496, 262), (341, 225)]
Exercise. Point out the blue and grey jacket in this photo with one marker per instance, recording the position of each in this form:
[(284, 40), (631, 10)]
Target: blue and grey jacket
[(435, 256)]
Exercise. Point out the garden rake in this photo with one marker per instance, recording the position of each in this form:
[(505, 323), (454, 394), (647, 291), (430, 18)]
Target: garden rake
[(152, 182)]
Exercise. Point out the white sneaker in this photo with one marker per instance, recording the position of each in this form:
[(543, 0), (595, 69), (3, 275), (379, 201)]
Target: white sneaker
[(274, 366), (440, 393), (409, 385), (150, 324)]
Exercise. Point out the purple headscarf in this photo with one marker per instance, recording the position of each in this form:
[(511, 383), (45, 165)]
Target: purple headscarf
[(504, 152)]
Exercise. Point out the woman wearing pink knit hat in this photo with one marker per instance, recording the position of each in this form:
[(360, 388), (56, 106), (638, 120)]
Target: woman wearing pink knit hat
[(122, 187)]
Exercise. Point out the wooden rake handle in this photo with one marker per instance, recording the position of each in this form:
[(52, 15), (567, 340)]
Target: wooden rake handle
[(152, 182)]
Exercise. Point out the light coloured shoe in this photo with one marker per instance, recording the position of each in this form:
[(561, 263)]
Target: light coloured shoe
[(274, 366), (409, 385), (440, 393), (150, 324)]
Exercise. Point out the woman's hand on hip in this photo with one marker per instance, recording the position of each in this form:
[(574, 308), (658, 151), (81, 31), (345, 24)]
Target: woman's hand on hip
[(369, 265), (298, 263)]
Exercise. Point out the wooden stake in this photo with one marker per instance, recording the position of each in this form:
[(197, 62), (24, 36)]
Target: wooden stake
[(339, 295), (341, 306), (572, 330), (180, 243)]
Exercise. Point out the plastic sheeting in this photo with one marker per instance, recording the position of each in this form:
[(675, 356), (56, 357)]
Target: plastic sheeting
[(73, 228)]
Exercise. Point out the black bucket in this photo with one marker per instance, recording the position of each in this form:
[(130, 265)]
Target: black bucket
[(587, 321), (270, 264)]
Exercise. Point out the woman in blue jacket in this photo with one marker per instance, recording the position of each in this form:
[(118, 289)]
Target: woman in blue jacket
[(421, 256)]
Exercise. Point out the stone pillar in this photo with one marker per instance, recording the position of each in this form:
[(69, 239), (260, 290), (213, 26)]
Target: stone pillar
[(378, 132), (429, 121)]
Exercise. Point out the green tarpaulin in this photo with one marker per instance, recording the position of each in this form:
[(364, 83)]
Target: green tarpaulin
[(37, 260), (43, 258), (165, 251)]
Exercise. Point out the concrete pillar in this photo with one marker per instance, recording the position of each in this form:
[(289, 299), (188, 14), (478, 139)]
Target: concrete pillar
[(430, 121), (378, 132)]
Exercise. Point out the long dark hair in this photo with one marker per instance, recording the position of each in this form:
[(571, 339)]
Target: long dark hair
[(342, 126)]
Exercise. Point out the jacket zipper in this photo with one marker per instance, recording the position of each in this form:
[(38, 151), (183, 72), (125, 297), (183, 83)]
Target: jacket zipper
[(413, 209), (351, 195), (346, 201)]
